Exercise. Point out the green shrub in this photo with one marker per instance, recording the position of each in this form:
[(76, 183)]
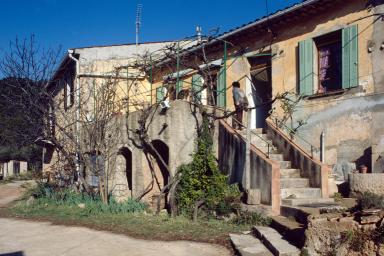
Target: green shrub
[(202, 180), (252, 218), (48, 194), (370, 200)]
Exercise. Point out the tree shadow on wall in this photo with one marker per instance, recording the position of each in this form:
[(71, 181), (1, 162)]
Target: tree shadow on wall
[(365, 159)]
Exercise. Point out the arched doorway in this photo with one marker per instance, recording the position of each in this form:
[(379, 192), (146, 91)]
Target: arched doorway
[(161, 169), (127, 154)]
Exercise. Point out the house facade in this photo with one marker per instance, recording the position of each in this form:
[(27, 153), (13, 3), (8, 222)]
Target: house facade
[(325, 56), (326, 52)]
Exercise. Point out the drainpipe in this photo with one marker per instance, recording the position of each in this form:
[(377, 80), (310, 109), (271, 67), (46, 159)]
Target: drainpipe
[(77, 88), (322, 147)]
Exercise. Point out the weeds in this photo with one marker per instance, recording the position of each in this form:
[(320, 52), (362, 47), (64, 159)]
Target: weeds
[(370, 201), (251, 218)]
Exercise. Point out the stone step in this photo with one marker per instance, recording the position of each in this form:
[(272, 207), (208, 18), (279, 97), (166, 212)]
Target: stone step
[(295, 193), (290, 229), (299, 214), (294, 183), (258, 130), (248, 245), (289, 173), (274, 241), (271, 150), (278, 157), (307, 202), (285, 164), (258, 142)]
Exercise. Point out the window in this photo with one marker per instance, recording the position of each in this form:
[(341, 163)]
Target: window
[(68, 93), (197, 83), (160, 93), (329, 62)]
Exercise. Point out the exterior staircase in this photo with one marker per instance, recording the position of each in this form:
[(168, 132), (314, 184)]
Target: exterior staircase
[(286, 234), (295, 190)]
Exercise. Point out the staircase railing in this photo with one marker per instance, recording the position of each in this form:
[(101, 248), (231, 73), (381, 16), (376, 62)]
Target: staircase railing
[(269, 144), (310, 167), (265, 172), (313, 150)]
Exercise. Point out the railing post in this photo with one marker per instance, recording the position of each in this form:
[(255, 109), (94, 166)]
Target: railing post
[(247, 181), (322, 147)]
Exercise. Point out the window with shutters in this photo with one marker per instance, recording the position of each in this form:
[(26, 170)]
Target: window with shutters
[(329, 62), (329, 58)]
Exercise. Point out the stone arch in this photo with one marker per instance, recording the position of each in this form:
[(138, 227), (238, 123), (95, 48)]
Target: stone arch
[(127, 154), (160, 171), (163, 150)]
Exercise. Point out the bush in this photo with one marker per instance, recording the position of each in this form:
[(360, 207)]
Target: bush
[(201, 180), (252, 218), (370, 200)]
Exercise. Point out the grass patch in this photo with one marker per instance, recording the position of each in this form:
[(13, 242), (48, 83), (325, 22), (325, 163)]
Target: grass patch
[(66, 207), (138, 224)]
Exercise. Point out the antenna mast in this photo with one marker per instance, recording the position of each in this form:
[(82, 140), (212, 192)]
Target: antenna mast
[(138, 22)]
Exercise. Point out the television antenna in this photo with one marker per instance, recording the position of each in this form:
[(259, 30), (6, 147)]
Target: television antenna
[(138, 22)]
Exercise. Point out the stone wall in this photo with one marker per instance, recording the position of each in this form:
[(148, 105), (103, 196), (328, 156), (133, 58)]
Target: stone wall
[(367, 182)]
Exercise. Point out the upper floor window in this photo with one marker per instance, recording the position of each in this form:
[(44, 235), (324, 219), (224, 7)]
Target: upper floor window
[(68, 93), (329, 62)]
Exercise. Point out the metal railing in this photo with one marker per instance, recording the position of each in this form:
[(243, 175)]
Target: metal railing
[(292, 134), (270, 146)]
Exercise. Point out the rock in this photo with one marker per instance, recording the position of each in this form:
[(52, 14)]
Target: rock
[(82, 206), (370, 219), (253, 196), (246, 232), (367, 227), (370, 212), (333, 209), (347, 219)]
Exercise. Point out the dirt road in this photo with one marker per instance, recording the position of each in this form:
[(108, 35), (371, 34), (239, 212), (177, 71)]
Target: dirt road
[(28, 238)]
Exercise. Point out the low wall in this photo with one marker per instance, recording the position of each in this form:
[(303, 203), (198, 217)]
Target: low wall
[(310, 168), (265, 173), (367, 182)]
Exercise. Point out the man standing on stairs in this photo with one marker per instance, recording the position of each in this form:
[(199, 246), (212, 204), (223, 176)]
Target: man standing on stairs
[(241, 103)]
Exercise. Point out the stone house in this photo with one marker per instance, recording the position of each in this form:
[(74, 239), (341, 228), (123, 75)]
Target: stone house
[(12, 168), (327, 53)]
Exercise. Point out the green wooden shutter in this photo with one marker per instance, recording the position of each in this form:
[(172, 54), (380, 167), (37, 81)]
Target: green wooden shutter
[(221, 88), (350, 57), (179, 87), (306, 67), (159, 94), (196, 87)]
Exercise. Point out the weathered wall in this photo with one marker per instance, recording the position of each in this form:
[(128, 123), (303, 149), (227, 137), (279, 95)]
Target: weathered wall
[(176, 128), (360, 183), (265, 173), (378, 77)]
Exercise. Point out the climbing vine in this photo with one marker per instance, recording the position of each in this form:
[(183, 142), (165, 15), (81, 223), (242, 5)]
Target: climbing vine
[(202, 186)]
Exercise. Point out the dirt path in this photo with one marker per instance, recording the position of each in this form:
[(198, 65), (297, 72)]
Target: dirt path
[(26, 238), (11, 191)]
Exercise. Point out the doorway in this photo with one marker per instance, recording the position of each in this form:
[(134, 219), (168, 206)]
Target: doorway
[(262, 87)]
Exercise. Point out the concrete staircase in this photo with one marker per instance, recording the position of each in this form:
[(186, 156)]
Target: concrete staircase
[(286, 234), (294, 189), (263, 241)]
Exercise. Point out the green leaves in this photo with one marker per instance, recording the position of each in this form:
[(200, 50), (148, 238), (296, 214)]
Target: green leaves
[(202, 180)]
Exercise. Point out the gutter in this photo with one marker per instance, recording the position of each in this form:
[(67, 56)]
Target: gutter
[(77, 88)]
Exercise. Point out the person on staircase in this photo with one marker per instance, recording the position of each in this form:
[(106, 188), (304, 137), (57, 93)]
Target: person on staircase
[(241, 103)]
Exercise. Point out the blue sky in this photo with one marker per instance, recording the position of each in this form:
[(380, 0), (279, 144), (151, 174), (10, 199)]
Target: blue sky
[(78, 23)]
